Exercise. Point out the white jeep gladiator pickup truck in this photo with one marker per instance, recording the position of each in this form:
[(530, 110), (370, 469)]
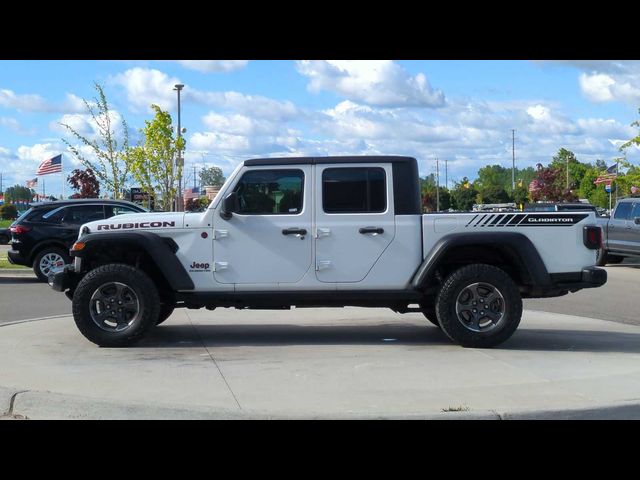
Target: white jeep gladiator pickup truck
[(326, 232)]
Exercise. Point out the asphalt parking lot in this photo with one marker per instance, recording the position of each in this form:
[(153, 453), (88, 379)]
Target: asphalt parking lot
[(572, 357)]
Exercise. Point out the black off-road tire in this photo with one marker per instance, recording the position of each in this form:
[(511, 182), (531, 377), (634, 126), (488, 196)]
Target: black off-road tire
[(135, 280), (4, 239), (43, 276), (602, 257), (166, 310), (456, 329), (614, 259)]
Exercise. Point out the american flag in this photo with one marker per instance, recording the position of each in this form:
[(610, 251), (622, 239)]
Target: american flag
[(53, 165), (32, 183)]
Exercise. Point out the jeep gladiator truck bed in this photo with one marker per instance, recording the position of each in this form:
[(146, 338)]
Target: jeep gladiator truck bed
[(330, 231)]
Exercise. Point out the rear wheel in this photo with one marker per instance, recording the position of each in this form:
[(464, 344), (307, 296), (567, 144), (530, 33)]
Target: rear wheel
[(115, 305), (50, 260), (602, 257), (479, 306)]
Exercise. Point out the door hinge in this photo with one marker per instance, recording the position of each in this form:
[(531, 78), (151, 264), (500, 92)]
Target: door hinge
[(323, 265), (323, 232), (217, 266), (217, 234)]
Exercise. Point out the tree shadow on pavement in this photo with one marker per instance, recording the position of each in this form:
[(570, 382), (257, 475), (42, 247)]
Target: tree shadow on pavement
[(175, 336)]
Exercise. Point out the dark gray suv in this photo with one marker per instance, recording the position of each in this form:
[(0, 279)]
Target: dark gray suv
[(621, 232)]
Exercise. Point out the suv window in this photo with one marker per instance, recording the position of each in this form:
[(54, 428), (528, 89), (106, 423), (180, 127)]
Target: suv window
[(354, 190), (83, 214), (268, 192), (113, 210), (623, 211), (636, 210), (51, 215)]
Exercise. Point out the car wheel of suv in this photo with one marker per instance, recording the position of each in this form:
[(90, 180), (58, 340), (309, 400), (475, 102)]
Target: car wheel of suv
[(4, 239), (603, 257), (115, 305), (479, 306), (50, 260)]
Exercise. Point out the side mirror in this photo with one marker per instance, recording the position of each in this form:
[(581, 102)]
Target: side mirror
[(230, 204), (636, 220)]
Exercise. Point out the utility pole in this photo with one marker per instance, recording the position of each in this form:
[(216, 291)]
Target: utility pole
[(567, 172), (1, 189), (179, 162), (513, 160), (446, 175), (437, 186), (194, 176)]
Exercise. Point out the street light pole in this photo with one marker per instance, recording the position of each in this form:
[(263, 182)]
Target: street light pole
[(179, 161)]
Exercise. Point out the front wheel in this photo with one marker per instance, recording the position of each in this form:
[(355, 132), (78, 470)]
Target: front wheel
[(479, 306), (115, 305)]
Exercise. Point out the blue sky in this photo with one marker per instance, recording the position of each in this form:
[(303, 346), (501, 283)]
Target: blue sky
[(462, 111)]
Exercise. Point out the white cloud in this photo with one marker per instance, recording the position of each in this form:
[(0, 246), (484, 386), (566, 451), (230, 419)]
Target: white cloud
[(144, 86), (214, 66), (373, 82), (15, 126), (36, 103)]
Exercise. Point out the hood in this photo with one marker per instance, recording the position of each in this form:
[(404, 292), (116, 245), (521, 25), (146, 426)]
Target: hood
[(137, 221)]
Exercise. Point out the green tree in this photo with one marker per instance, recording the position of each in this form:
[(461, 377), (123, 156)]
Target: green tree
[(463, 195), (521, 194), (18, 193), (8, 212), (111, 164), (566, 159), (493, 194), (212, 176), (152, 162)]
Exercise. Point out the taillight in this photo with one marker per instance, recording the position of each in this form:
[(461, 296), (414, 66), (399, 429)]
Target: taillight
[(592, 237), (20, 229)]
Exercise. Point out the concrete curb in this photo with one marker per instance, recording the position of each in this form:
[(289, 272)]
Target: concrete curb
[(36, 405)]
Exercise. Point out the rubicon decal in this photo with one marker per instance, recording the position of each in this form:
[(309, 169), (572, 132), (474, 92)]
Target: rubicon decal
[(525, 220), (126, 226)]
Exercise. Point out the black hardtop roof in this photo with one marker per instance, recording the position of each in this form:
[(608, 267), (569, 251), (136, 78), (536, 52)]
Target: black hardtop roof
[(80, 201), (339, 159)]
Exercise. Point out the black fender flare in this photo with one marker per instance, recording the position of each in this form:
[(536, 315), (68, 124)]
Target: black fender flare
[(161, 250), (517, 246)]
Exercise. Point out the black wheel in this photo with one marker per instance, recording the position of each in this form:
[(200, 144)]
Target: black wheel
[(614, 259), (602, 257), (115, 305), (479, 306), (429, 311), (49, 260), (166, 310), (4, 239)]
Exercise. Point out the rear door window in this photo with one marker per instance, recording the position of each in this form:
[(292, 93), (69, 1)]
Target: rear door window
[(354, 190)]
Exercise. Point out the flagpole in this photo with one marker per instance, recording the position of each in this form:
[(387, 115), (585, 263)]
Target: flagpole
[(62, 174)]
